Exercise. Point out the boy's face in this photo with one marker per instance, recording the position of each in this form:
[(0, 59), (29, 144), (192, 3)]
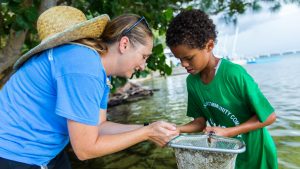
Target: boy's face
[(192, 59)]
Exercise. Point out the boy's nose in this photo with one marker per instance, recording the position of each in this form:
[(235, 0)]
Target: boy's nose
[(184, 64)]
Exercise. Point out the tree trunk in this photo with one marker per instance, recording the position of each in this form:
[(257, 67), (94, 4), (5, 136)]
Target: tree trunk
[(12, 50), (10, 53), (46, 4)]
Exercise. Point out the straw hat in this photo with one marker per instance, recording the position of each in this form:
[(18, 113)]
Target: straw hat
[(62, 24)]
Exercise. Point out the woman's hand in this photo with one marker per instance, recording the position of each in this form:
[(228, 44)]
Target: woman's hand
[(88, 142), (161, 132)]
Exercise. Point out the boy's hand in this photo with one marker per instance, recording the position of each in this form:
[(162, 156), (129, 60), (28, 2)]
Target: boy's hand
[(219, 131)]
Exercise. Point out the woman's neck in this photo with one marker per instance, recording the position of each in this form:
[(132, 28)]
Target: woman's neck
[(109, 60)]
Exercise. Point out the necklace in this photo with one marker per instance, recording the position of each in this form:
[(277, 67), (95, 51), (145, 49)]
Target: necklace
[(108, 83)]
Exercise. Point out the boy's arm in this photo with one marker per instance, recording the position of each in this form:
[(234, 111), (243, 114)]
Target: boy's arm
[(196, 125), (252, 124)]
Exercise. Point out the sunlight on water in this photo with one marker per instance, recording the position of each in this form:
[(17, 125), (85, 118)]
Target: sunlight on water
[(280, 82)]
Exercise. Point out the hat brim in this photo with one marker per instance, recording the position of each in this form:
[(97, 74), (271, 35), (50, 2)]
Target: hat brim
[(92, 28)]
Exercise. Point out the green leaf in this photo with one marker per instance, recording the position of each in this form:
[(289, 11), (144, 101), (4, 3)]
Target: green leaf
[(256, 7), (21, 23), (14, 7), (117, 82), (4, 1), (144, 73), (168, 69), (158, 49), (17, 1), (168, 14), (276, 7), (189, 8), (31, 14), (162, 32)]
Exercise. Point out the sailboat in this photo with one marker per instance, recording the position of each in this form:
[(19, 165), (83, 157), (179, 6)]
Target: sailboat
[(235, 58)]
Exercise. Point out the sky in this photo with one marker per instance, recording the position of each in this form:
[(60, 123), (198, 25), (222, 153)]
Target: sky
[(260, 33)]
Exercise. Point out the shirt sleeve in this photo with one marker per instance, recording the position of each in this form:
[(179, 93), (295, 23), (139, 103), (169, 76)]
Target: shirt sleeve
[(255, 98), (79, 98), (193, 108), (105, 98)]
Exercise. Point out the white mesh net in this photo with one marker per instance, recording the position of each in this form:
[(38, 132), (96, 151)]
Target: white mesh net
[(206, 151)]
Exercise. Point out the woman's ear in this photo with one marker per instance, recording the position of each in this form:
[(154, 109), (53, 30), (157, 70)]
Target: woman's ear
[(124, 44), (210, 45)]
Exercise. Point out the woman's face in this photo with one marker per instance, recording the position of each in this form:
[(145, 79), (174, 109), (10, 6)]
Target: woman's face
[(134, 58)]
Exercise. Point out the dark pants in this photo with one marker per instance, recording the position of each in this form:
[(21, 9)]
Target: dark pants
[(61, 161)]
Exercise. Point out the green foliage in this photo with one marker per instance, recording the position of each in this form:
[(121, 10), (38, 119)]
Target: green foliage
[(22, 15), (117, 82), (18, 16), (158, 61), (275, 7)]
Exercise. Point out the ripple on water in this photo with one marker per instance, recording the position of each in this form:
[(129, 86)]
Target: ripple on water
[(281, 133), (291, 144), (287, 164), (291, 118)]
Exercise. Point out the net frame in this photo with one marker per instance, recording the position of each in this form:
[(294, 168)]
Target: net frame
[(206, 151), (209, 143)]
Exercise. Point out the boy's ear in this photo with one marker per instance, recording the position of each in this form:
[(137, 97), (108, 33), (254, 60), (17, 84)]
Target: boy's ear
[(123, 44), (210, 45)]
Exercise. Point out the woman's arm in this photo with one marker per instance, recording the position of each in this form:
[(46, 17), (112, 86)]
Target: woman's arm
[(196, 125), (107, 127), (252, 124), (90, 142)]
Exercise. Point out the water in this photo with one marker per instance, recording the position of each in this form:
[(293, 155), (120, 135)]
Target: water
[(278, 79)]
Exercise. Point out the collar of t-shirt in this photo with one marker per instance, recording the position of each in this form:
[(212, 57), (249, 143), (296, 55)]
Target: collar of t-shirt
[(218, 65)]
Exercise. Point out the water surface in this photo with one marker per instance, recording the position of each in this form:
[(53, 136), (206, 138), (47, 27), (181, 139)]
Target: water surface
[(278, 78)]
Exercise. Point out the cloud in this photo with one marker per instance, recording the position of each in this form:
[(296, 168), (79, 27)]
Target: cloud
[(262, 33)]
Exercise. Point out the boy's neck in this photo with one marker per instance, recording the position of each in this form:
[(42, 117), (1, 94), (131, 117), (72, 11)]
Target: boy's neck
[(208, 73)]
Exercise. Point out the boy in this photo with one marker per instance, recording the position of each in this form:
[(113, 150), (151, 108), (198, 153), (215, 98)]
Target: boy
[(220, 92)]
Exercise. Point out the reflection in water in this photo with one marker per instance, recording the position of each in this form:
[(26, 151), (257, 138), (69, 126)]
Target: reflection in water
[(278, 80)]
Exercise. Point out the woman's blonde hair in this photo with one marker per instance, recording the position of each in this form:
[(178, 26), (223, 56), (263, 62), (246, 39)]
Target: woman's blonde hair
[(123, 25)]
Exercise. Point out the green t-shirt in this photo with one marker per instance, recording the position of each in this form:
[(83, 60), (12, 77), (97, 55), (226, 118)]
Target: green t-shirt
[(229, 100)]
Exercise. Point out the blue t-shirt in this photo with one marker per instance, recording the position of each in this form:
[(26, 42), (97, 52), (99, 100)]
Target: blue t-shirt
[(66, 82)]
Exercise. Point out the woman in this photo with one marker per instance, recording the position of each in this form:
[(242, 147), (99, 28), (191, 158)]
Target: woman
[(59, 91)]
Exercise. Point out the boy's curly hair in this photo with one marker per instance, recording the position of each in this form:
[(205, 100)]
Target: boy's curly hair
[(192, 28)]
